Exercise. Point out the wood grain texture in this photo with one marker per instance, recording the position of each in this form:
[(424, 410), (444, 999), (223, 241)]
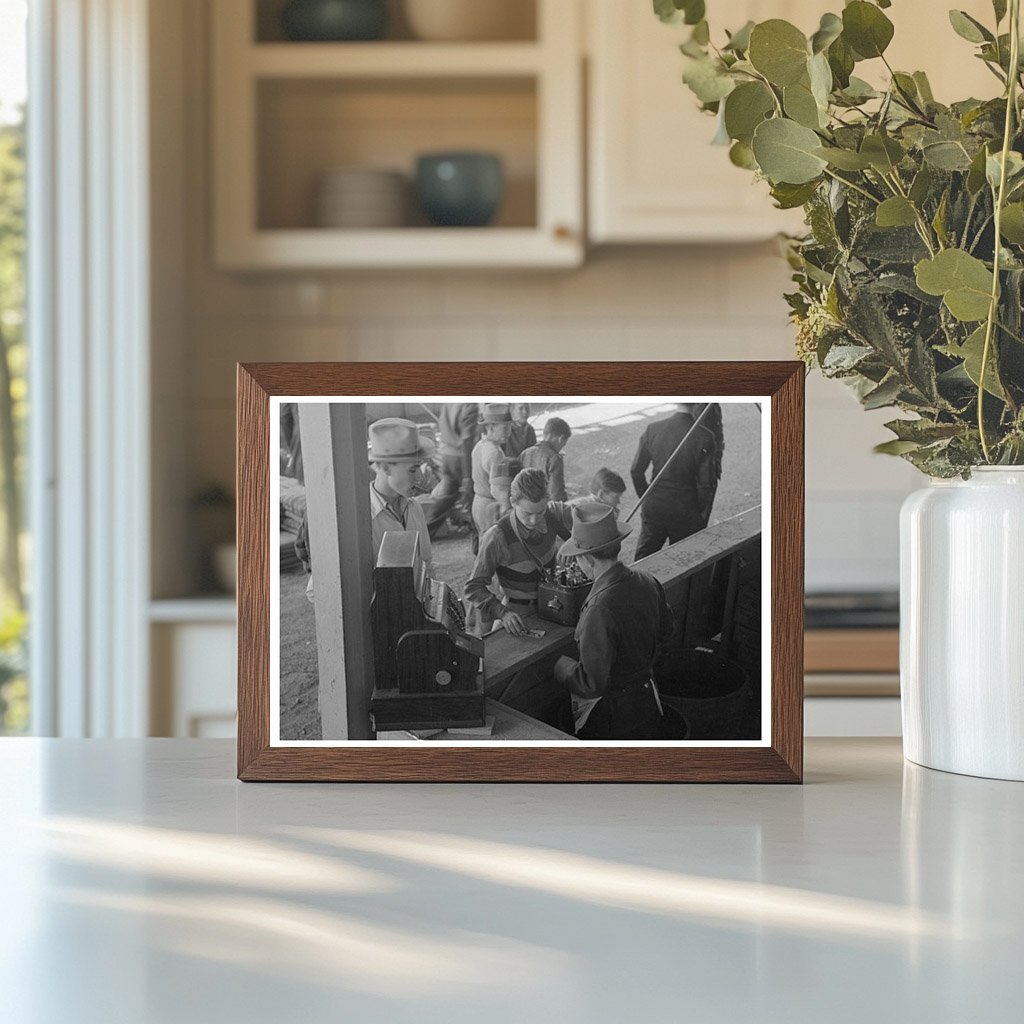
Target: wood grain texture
[(252, 485), (852, 650), (782, 762)]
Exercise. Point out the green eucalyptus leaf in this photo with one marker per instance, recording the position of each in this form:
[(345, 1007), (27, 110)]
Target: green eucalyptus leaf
[(739, 41), (976, 174), (741, 155), (841, 60), (866, 29), (895, 447), (707, 80), (788, 196), (745, 108), (844, 159), (999, 7), (921, 185), (785, 152), (885, 394), (923, 431), (969, 28), (820, 75), (778, 50), (858, 91), (701, 32), (946, 156), (1011, 225), (829, 30), (963, 281), (883, 153), (895, 212), (800, 105), (676, 12), (924, 88), (994, 167), (971, 352)]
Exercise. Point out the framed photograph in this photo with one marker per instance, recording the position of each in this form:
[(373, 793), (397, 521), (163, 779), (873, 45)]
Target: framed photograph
[(520, 572)]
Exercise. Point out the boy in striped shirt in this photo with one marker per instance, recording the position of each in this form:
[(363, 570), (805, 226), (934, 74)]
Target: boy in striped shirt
[(515, 549)]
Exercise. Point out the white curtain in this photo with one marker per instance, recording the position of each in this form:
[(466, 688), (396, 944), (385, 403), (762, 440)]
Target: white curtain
[(88, 320)]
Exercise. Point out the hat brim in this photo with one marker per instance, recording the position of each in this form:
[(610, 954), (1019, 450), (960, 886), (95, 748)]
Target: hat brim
[(570, 548), (427, 449)]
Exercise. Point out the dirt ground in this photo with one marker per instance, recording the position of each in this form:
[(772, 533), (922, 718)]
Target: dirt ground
[(604, 434)]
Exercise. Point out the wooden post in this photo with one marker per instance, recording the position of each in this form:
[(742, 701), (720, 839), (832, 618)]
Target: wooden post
[(337, 499)]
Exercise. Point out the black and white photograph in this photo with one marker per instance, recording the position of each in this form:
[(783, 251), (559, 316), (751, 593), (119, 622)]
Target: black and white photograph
[(520, 570)]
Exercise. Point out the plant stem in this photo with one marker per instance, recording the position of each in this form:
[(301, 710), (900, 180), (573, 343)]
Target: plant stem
[(993, 309), (922, 225), (850, 184)]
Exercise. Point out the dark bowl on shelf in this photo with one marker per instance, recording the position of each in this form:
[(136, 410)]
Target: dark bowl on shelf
[(460, 189), (332, 21)]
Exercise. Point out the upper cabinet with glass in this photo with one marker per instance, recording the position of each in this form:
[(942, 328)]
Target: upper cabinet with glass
[(374, 133)]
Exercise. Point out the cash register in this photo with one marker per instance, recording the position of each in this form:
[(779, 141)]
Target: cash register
[(427, 666)]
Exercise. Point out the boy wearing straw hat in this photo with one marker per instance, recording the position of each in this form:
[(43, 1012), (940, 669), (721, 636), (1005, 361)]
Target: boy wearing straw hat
[(396, 451), (622, 624)]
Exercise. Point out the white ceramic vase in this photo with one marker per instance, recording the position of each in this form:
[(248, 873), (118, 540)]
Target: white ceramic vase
[(962, 624)]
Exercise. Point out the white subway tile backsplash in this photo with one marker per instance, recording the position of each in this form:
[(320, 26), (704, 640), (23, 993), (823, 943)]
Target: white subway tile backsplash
[(413, 296), (718, 302), (646, 285)]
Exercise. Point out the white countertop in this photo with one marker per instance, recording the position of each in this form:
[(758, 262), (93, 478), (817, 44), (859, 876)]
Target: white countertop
[(143, 884)]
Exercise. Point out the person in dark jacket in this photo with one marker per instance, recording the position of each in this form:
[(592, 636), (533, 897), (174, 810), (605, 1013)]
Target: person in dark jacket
[(680, 503), (623, 623)]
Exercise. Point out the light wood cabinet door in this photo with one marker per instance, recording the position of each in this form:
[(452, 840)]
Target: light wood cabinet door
[(653, 175)]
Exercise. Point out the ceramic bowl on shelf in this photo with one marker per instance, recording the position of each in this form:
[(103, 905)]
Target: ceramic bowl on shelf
[(334, 21), (470, 20), (361, 198), (460, 189)]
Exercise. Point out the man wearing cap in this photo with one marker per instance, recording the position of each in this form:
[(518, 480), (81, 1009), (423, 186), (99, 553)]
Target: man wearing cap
[(517, 549), (396, 451), (622, 624), (491, 468), (680, 502)]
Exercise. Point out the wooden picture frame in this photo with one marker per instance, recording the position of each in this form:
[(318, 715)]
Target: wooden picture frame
[(778, 757)]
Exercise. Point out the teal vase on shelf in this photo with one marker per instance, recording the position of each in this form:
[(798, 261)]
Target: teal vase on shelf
[(334, 20)]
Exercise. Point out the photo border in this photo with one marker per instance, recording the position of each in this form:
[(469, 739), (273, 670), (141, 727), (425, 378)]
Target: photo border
[(778, 761)]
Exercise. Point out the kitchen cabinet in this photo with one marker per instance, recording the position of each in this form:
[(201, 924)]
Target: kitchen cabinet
[(193, 673), (286, 113), (653, 175)]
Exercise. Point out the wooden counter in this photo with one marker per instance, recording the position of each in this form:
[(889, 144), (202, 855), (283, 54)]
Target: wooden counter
[(505, 655)]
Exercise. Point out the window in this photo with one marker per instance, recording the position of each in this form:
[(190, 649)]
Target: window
[(14, 548)]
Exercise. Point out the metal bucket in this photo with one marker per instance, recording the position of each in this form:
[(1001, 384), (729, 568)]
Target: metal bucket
[(709, 691), (673, 725)]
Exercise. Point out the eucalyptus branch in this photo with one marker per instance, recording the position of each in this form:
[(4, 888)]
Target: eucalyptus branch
[(993, 308), (853, 185)]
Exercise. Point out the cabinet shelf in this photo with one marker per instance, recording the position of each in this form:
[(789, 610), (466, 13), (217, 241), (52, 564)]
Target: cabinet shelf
[(310, 248), (392, 60), (286, 114)]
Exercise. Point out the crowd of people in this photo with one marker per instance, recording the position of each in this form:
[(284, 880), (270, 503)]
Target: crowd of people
[(492, 472), (491, 465)]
